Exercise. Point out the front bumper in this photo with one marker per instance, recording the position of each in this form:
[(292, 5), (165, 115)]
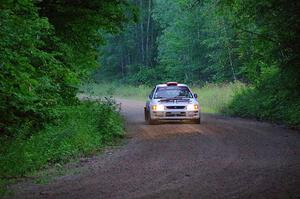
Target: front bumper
[(175, 115)]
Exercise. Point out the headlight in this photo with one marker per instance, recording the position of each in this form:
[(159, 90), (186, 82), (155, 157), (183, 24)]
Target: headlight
[(158, 107), (192, 107)]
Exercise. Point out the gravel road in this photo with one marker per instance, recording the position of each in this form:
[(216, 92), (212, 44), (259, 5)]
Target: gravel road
[(221, 158)]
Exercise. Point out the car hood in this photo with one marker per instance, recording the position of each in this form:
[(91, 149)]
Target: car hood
[(174, 101)]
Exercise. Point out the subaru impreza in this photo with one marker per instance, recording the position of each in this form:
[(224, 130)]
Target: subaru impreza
[(172, 101)]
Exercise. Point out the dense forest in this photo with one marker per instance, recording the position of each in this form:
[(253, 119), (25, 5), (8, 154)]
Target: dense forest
[(194, 41), (202, 41)]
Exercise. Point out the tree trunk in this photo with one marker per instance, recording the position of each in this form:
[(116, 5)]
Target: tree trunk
[(142, 32), (229, 52), (122, 66), (147, 33)]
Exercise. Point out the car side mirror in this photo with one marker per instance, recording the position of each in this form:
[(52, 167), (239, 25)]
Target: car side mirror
[(149, 96), (195, 95)]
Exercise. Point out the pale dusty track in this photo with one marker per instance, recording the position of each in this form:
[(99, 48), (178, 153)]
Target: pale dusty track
[(221, 158)]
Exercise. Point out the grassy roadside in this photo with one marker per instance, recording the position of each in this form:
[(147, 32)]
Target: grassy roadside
[(264, 103), (214, 98), (80, 130)]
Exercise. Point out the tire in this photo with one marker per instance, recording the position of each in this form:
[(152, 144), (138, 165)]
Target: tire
[(148, 119), (197, 121), (146, 115)]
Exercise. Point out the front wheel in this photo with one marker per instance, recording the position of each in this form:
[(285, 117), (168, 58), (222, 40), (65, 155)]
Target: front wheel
[(197, 121), (146, 114), (148, 118)]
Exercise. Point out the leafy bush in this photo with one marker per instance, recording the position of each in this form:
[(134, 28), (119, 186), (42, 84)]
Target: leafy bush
[(45, 52), (79, 130), (33, 80), (274, 98)]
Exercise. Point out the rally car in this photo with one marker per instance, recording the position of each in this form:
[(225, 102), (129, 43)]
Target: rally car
[(172, 101)]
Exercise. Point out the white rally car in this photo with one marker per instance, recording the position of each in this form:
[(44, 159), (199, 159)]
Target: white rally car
[(172, 101)]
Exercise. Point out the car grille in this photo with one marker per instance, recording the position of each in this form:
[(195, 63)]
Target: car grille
[(180, 114), (175, 107)]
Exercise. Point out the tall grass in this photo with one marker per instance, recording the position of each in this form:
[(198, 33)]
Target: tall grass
[(213, 98)]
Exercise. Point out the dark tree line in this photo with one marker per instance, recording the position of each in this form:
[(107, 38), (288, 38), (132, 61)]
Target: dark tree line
[(199, 41)]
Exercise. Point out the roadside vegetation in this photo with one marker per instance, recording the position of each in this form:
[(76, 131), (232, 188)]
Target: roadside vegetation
[(214, 98), (236, 99), (271, 100), (45, 52), (79, 130)]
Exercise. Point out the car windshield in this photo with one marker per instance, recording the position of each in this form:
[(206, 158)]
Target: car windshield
[(172, 92)]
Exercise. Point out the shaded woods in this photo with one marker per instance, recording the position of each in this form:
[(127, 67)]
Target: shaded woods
[(193, 41), (47, 47)]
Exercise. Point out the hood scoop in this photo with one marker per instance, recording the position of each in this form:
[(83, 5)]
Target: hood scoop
[(174, 100)]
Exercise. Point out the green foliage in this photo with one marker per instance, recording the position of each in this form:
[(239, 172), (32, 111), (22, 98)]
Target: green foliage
[(80, 129), (26, 90), (133, 48), (142, 75), (272, 99), (269, 50), (47, 47), (193, 44)]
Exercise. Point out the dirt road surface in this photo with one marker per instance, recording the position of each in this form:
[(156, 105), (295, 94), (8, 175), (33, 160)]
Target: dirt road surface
[(220, 158)]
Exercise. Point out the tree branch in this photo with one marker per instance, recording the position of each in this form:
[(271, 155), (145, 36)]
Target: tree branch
[(258, 35)]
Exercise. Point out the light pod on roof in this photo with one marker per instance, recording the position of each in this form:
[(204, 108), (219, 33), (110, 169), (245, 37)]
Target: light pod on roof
[(172, 83)]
